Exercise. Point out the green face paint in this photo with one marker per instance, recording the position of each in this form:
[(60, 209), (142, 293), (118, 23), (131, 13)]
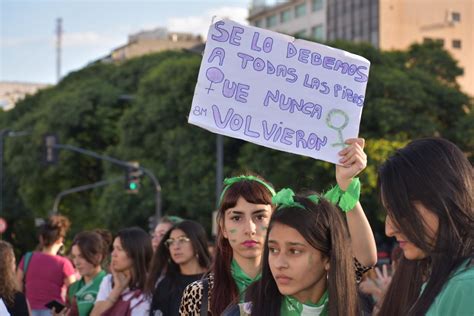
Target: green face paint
[(233, 241), (264, 228), (232, 231), (310, 259)]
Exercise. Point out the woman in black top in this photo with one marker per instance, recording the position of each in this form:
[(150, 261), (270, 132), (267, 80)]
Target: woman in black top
[(14, 301), (181, 259)]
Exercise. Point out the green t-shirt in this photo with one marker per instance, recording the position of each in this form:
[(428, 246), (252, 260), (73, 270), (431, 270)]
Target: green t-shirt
[(456, 297), (84, 295)]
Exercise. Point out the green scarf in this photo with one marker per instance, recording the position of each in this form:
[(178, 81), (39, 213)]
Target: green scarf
[(84, 295), (242, 280), (292, 307)]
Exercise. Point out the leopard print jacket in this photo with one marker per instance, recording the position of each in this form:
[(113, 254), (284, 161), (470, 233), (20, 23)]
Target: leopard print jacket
[(192, 295)]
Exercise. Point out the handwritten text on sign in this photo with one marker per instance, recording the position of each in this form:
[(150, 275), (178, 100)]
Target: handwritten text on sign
[(275, 91)]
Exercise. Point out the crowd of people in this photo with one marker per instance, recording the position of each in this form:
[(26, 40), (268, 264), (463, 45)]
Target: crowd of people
[(276, 253)]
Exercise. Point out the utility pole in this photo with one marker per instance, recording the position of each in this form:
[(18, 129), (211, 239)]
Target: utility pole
[(59, 35), (219, 166)]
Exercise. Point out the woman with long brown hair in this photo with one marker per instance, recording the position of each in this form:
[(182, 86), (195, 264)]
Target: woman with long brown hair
[(427, 190), (13, 299), (122, 291), (243, 217), (180, 259), (307, 261)]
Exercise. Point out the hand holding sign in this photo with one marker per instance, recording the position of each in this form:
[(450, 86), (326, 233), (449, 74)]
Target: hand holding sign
[(275, 91)]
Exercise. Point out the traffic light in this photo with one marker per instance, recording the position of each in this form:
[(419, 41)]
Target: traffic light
[(51, 152), (132, 178)]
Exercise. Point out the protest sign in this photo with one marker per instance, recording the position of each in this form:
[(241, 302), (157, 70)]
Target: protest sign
[(276, 91)]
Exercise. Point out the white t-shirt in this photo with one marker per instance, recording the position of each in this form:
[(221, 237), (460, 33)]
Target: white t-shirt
[(3, 309), (140, 305)]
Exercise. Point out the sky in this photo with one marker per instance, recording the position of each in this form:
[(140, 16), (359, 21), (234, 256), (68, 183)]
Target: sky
[(91, 29)]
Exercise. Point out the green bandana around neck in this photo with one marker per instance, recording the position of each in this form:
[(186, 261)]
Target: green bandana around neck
[(290, 306), (242, 280)]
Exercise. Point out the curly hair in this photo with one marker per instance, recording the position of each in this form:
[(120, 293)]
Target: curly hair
[(8, 286)]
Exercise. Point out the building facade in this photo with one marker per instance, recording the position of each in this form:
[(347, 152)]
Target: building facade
[(386, 24), (12, 92), (153, 41)]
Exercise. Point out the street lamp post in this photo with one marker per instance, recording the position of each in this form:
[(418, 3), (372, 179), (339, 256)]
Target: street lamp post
[(80, 189), (120, 163)]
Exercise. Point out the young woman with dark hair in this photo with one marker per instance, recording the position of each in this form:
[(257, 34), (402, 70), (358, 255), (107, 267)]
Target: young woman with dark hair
[(14, 301), (47, 273), (243, 216), (182, 258), (131, 255), (88, 252), (427, 190), (307, 261)]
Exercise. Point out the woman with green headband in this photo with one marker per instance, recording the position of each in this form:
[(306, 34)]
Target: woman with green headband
[(243, 216), (307, 262)]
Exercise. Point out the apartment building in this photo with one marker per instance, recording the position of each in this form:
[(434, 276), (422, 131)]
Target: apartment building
[(153, 41), (12, 92), (386, 24)]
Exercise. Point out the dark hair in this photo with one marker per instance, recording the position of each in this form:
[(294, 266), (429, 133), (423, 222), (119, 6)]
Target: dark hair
[(137, 244), (53, 229), (8, 284), (435, 173), (323, 226), (162, 259), (224, 289), (93, 246)]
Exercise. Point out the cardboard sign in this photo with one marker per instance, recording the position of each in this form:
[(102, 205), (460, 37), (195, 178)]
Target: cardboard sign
[(270, 89)]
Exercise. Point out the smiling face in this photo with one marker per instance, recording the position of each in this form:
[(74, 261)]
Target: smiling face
[(120, 259), (410, 250), (84, 267), (181, 248), (245, 226), (299, 269)]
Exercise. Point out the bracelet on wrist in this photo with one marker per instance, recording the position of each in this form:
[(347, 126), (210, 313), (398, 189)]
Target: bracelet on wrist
[(346, 200)]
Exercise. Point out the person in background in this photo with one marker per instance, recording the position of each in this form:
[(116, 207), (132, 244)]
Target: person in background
[(182, 258), (163, 226), (122, 291), (88, 252), (47, 273), (14, 301), (427, 190)]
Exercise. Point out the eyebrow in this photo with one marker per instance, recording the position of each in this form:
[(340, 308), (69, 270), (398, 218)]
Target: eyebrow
[(237, 212), (289, 243)]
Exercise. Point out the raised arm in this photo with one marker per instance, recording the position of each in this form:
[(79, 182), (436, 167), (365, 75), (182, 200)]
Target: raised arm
[(353, 161)]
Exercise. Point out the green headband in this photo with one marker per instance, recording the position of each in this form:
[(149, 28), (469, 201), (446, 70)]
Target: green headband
[(284, 198), (228, 182), (346, 200)]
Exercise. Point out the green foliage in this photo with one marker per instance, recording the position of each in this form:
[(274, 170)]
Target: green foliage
[(410, 94)]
